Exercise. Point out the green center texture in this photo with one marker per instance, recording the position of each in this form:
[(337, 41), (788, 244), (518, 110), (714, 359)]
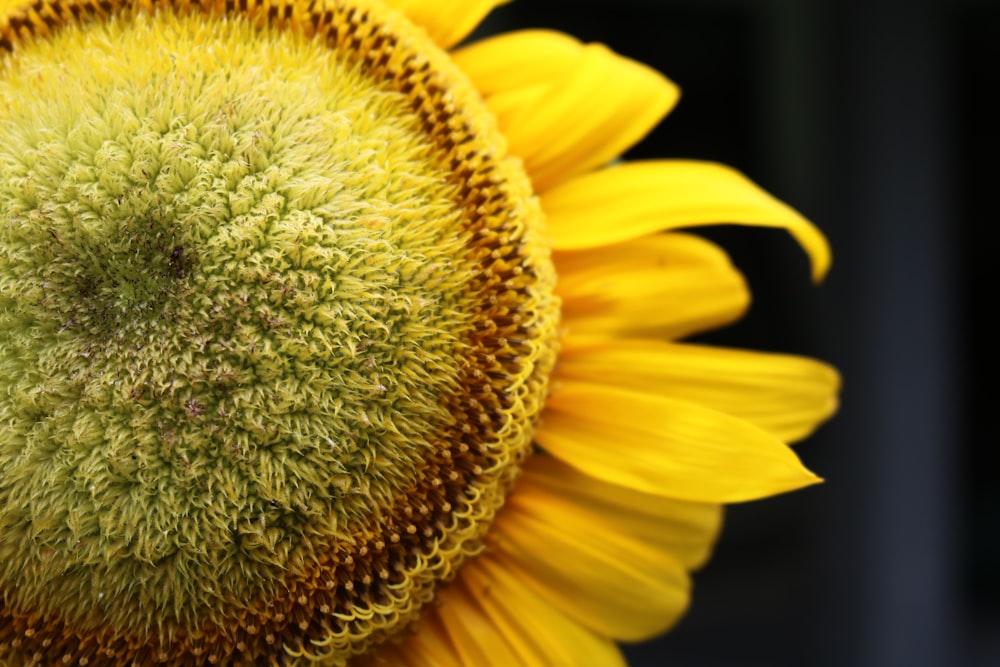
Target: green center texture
[(228, 322)]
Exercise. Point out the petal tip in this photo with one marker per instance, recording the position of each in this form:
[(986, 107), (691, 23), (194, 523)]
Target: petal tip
[(821, 259), (812, 478)]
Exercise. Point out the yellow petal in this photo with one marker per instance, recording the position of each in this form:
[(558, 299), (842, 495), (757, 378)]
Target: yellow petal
[(609, 557), (495, 620), (667, 285), (664, 446), (476, 638), (634, 199), (686, 529), (446, 21), (518, 60), (788, 396), (596, 106), (516, 70)]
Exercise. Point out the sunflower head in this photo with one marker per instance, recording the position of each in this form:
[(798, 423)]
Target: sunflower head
[(275, 328), (278, 334)]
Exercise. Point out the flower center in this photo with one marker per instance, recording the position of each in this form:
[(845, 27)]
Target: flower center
[(275, 328)]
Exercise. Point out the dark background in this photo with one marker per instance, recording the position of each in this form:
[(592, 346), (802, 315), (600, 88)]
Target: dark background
[(876, 119)]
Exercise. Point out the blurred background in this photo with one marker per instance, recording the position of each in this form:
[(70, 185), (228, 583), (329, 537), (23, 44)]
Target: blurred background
[(871, 117)]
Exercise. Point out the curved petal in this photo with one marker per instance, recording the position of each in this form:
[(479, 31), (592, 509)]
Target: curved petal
[(517, 60), (594, 107), (565, 532), (667, 285), (666, 447), (630, 200), (446, 21), (787, 396), (495, 620), (686, 529)]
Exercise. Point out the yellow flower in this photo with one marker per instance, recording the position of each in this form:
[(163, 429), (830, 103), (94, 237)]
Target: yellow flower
[(320, 343)]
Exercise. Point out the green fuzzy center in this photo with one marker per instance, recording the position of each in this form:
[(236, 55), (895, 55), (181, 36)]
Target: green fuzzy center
[(228, 323)]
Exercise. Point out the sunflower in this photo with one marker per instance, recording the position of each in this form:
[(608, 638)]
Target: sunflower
[(325, 341)]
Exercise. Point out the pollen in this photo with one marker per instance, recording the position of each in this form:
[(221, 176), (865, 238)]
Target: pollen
[(276, 324)]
